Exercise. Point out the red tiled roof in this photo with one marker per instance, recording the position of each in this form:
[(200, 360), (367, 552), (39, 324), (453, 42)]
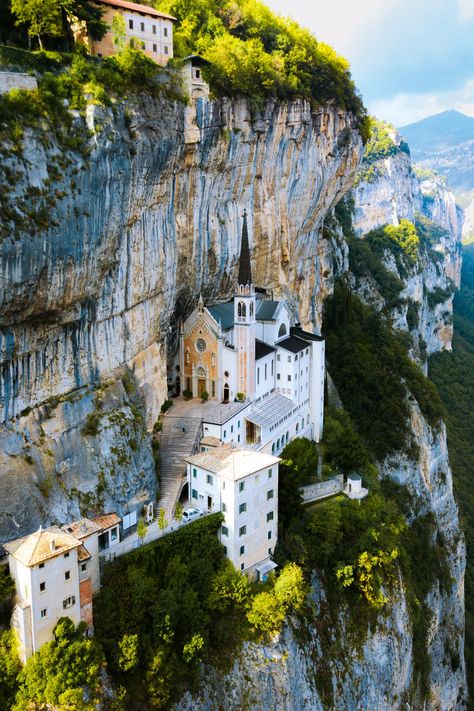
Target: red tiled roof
[(136, 7), (107, 520)]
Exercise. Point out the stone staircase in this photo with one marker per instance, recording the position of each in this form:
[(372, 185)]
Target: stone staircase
[(179, 439)]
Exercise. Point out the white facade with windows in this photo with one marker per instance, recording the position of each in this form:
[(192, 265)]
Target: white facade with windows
[(243, 484)]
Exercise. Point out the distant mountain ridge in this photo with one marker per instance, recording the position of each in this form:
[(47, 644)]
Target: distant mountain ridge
[(445, 143)]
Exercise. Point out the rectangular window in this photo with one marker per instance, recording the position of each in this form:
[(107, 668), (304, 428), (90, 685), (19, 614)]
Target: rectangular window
[(225, 434), (83, 567), (238, 424), (241, 566), (41, 565), (278, 356), (42, 587), (232, 428), (272, 367), (225, 550), (278, 376), (238, 438), (165, 48), (269, 551), (241, 485), (265, 371), (154, 29), (142, 26), (69, 602), (66, 555), (225, 531), (242, 550), (194, 473), (224, 508), (269, 535), (197, 73), (242, 508), (165, 32), (194, 494), (155, 48), (270, 473), (43, 612), (242, 530), (209, 479), (114, 534), (289, 378), (258, 376), (67, 575), (270, 494), (213, 388), (130, 24), (289, 359), (269, 516)]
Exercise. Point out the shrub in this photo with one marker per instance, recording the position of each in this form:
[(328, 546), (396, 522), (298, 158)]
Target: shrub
[(204, 396), (166, 405), (187, 394)]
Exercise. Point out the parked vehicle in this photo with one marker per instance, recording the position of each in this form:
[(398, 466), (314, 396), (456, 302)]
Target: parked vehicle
[(191, 514)]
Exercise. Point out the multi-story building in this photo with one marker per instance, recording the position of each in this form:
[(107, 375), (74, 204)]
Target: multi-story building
[(243, 484), (56, 572), (246, 349), (147, 28)]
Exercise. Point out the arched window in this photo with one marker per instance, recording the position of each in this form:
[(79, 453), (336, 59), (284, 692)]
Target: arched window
[(273, 448), (297, 426), (251, 309), (200, 373), (239, 309), (244, 311), (282, 330)]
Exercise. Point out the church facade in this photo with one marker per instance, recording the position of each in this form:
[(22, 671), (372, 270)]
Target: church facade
[(247, 351)]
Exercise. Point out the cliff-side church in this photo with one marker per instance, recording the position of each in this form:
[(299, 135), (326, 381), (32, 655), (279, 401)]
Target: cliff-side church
[(246, 350)]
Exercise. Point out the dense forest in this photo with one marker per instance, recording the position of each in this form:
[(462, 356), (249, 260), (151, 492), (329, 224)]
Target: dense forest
[(453, 373)]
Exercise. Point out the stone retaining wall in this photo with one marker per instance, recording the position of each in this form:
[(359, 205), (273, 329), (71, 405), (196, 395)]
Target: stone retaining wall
[(16, 80), (322, 489)]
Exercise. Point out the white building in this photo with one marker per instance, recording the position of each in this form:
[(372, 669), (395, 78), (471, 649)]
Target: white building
[(56, 572), (247, 349), (243, 484)]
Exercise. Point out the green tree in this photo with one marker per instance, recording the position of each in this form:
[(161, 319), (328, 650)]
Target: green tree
[(142, 529), (192, 649), (10, 668), (290, 589), (128, 652), (178, 512), (162, 521), (42, 17), (265, 613), (119, 30), (230, 589), (297, 468)]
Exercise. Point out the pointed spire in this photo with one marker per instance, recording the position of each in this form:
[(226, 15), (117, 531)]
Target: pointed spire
[(245, 269), (201, 303)]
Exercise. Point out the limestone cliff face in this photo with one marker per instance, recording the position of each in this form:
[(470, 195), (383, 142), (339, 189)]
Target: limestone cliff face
[(142, 221), (390, 192)]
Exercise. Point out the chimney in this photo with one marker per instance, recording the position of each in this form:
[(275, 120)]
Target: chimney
[(52, 545)]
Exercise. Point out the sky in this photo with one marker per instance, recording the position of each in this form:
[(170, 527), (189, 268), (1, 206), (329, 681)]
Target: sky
[(409, 58)]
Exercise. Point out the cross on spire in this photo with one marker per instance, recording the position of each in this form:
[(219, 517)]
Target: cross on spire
[(245, 269)]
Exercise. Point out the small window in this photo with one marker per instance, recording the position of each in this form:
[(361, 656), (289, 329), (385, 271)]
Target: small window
[(83, 567), (242, 530), (142, 26), (269, 535), (130, 24), (43, 612), (238, 424), (155, 48), (307, 351), (242, 508), (289, 378), (165, 34), (194, 473), (238, 438), (278, 376), (209, 479), (67, 575), (289, 359), (270, 473), (269, 516), (242, 550), (41, 565), (42, 587), (241, 566), (114, 534), (278, 357), (225, 434), (270, 494), (224, 508), (154, 31), (69, 602), (197, 73), (66, 555), (296, 356), (165, 49), (258, 376), (269, 551), (225, 531), (194, 494), (225, 550), (241, 485)]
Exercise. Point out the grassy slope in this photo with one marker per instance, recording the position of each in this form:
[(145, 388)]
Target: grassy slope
[(453, 373)]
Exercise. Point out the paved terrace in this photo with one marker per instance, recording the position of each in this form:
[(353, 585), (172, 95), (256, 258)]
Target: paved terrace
[(212, 411)]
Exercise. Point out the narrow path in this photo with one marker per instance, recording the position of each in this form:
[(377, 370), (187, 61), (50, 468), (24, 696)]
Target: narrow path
[(179, 439)]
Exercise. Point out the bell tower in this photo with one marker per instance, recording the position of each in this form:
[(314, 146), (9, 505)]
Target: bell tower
[(244, 319)]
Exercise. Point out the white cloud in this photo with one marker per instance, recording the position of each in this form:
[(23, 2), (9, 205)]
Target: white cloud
[(466, 10), (407, 108)]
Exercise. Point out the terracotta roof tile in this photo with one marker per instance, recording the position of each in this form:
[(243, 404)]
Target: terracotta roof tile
[(136, 7), (107, 520), (41, 545)]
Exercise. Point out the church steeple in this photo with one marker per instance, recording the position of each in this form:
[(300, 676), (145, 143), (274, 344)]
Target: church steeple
[(245, 269)]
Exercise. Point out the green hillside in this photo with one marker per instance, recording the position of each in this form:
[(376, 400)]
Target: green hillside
[(453, 373)]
